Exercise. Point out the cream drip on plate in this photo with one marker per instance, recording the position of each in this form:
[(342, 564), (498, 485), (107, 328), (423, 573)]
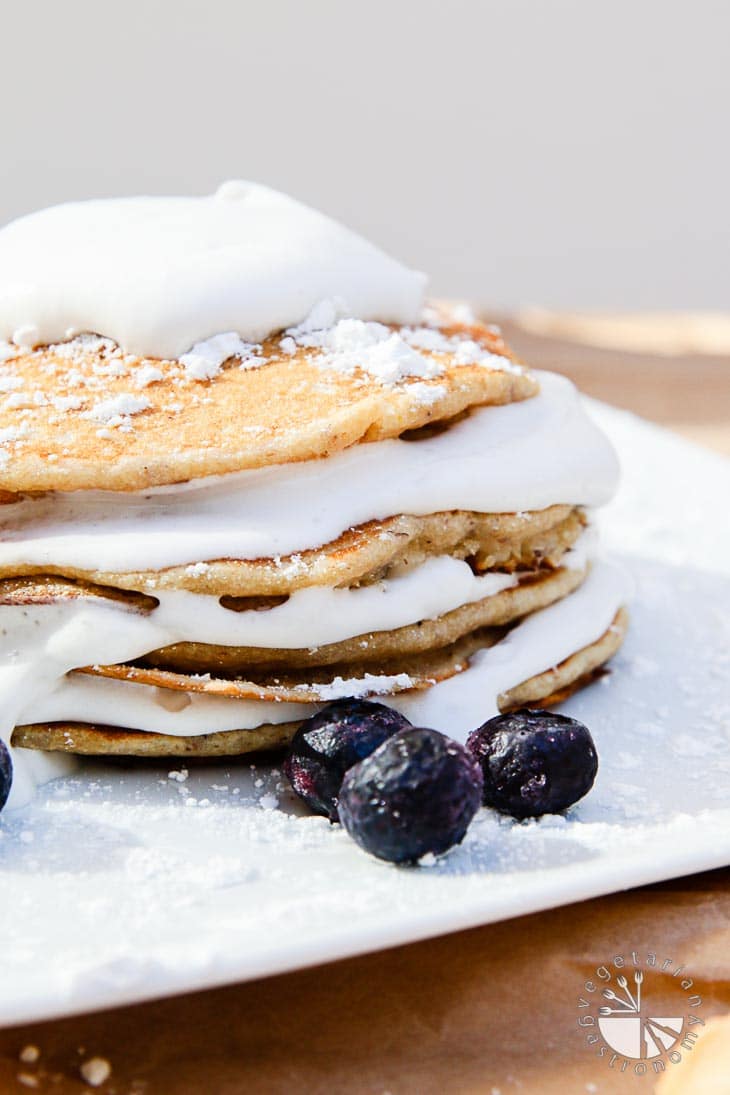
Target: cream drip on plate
[(494, 461), (160, 275)]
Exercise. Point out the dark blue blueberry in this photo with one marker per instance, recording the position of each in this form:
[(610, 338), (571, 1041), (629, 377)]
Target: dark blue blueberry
[(415, 794), (534, 762), (6, 774), (327, 745)]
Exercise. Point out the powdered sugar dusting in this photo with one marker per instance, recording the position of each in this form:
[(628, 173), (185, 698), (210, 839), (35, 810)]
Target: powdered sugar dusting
[(358, 687), (81, 346), (147, 374), (390, 357), (197, 570), (65, 403), (205, 360), (117, 410), (381, 353), (12, 433), (10, 382), (465, 350), (425, 395)]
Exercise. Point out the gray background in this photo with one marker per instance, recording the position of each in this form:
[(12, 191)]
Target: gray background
[(570, 153)]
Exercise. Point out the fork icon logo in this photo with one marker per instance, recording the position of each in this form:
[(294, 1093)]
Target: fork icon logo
[(639, 1014), (632, 1030)]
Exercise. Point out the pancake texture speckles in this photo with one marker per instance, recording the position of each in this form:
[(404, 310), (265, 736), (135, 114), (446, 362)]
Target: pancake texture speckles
[(83, 415)]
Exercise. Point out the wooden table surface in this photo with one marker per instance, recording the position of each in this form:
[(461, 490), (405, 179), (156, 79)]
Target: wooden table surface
[(492, 1010)]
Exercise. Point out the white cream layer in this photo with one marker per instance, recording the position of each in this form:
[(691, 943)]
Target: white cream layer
[(159, 274), (524, 456), (318, 615), (455, 707)]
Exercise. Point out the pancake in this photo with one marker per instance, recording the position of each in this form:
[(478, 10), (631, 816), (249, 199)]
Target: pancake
[(84, 415), (535, 591), (543, 690), (503, 541), (400, 672), (50, 590), (558, 683)]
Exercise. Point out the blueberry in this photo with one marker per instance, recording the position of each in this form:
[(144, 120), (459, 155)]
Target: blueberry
[(329, 743), (6, 774), (415, 794), (534, 762)]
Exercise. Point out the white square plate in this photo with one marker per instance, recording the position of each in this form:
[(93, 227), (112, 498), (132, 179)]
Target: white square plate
[(122, 883)]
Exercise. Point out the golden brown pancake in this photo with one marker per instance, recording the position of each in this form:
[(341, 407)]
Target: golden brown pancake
[(59, 437), (316, 682), (505, 542)]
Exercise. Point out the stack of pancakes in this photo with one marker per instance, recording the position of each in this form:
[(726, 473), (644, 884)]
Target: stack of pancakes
[(84, 420)]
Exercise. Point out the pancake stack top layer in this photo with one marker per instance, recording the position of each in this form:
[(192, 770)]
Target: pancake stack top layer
[(84, 414), (244, 471)]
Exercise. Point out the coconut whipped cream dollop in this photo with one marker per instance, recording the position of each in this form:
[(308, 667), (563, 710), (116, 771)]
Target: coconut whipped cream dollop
[(160, 275)]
